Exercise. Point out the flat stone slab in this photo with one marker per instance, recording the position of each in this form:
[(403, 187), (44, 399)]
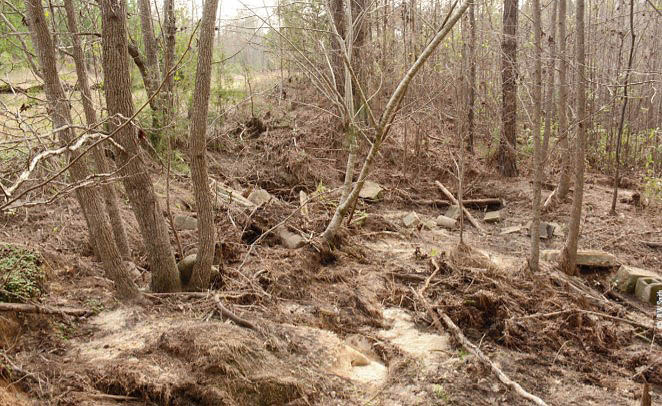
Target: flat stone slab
[(647, 289), (411, 219), (493, 216), (184, 223), (627, 276), (585, 258), (453, 212), (371, 191)]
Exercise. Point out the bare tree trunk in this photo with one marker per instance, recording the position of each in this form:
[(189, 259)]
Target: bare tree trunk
[(151, 65), (534, 259), (507, 154), (60, 113), (568, 260), (170, 30), (471, 126), (138, 185), (338, 14), (625, 103), (561, 190), (198, 141), (108, 190)]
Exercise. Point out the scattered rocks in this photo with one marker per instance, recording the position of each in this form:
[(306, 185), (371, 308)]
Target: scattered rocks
[(184, 223), (371, 191), (446, 222), (453, 212), (260, 197), (627, 276), (647, 288), (289, 239), (493, 216), (411, 220)]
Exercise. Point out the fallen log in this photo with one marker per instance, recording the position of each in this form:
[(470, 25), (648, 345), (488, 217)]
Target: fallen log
[(40, 309), (226, 195), (653, 244), (489, 203), (459, 336), (452, 198)]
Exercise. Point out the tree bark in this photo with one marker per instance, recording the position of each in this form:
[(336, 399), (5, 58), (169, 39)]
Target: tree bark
[(507, 154), (564, 136), (198, 147), (151, 66), (169, 55), (60, 113), (471, 125), (568, 259), (534, 258), (108, 190), (138, 185)]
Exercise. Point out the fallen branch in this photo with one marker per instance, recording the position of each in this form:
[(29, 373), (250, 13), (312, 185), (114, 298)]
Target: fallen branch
[(457, 333), (450, 196), (489, 202), (39, 309), (653, 244), (227, 313)]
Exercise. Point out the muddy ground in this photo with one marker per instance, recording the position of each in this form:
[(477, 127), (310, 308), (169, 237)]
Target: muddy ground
[(346, 328)]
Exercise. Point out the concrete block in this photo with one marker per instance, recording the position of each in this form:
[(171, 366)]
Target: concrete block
[(493, 216), (647, 288), (446, 222), (627, 276)]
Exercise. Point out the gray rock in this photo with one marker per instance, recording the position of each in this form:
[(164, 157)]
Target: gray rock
[(493, 216), (289, 239), (185, 267), (183, 223), (627, 276), (546, 230), (453, 212), (647, 289), (446, 222), (411, 219), (260, 197), (371, 191)]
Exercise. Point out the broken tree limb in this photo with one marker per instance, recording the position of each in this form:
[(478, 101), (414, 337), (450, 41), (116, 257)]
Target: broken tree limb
[(40, 309), (227, 313), (490, 202), (457, 333), (452, 198), (653, 244)]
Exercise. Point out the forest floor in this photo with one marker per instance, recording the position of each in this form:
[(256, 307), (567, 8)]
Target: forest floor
[(347, 328)]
